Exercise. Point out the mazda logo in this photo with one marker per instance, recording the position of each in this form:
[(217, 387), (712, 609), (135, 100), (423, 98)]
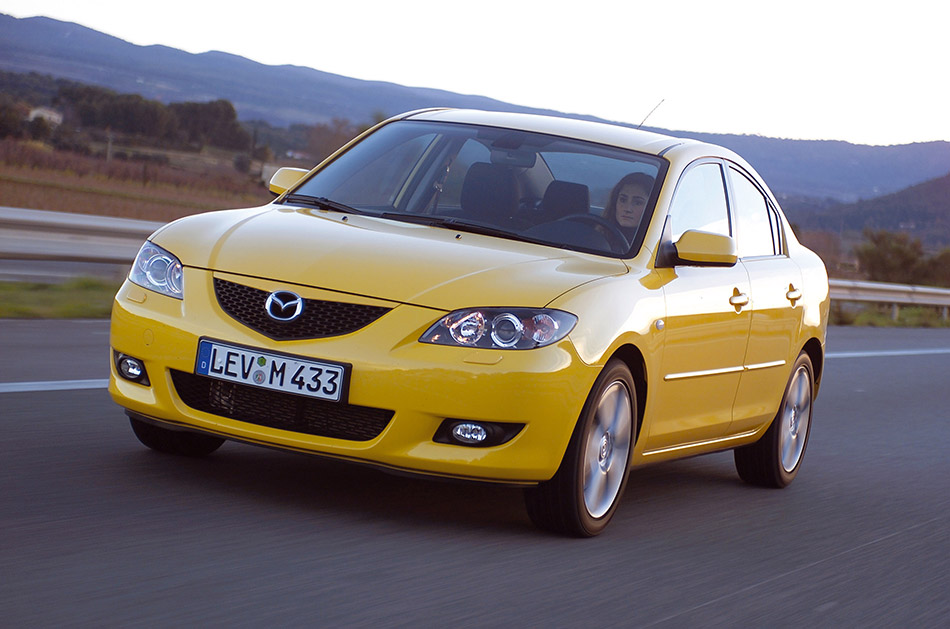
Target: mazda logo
[(283, 305)]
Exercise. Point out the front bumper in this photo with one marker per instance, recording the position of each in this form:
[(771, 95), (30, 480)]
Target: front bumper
[(420, 384)]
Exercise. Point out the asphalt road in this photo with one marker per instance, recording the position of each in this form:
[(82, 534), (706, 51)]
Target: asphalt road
[(97, 530)]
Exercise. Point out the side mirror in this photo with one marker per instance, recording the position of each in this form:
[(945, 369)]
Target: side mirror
[(706, 249), (285, 178)]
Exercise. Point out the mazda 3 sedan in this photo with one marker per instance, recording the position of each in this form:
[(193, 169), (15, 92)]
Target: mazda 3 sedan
[(487, 296)]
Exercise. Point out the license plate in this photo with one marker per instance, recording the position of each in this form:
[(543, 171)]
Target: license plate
[(270, 370)]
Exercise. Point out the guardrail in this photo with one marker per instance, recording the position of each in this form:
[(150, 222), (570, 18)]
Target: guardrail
[(42, 235), (65, 237), (896, 295)]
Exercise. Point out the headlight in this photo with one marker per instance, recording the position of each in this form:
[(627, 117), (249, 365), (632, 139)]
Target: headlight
[(500, 328), (157, 270)]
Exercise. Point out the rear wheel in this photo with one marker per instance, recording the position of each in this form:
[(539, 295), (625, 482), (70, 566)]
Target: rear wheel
[(583, 495), (174, 441), (774, 460)]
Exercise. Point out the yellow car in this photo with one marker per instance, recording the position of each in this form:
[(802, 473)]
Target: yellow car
[(486, 296)]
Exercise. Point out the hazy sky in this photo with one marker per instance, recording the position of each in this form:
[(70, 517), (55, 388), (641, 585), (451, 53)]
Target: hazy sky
[(867, 72)]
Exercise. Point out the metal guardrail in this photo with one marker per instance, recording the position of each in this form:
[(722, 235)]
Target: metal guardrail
[(896, 295), (879, 292), (42, 220), (64, 237), (42, 235)]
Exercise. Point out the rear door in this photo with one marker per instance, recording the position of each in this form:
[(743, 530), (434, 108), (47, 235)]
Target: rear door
[(775, 291)]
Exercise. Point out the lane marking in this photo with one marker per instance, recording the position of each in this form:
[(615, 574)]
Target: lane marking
[(883, 353), (54, 385)]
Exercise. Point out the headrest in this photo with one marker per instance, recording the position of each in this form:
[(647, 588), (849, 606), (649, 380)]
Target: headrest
[(489, 192), (563, 198)]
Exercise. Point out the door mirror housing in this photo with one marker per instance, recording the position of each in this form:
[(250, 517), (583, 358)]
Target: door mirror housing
[(698, 248), (285, 179)]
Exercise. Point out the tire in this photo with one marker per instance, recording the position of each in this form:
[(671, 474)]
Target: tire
[(583, 495), (178, 442), (774, 460)]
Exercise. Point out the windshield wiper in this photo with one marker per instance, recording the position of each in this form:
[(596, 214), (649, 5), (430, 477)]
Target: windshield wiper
[(322, 203), (454, 223)]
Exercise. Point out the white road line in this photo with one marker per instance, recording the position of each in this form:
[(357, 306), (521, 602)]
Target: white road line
[(884, 353), (55, 385)]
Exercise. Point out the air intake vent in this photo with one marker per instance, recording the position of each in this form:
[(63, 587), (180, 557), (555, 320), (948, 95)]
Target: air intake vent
[(284, 411)]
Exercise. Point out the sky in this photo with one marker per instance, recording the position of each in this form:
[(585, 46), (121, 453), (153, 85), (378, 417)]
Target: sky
[(867, 72)]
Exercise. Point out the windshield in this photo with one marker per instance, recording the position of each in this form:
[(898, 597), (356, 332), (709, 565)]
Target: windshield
[(503, 182)]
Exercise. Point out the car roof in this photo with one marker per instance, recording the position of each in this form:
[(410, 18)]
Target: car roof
[(587, 130)]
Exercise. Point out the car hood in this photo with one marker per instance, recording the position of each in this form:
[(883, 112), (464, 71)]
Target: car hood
[(400, 262)]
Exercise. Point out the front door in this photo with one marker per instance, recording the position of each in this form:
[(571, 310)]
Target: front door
[(706, 326)]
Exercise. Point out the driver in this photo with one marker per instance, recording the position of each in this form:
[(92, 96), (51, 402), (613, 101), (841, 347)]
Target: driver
[(627, 201)]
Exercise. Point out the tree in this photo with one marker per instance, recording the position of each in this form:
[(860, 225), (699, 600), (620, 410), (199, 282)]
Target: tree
[(324, 139), (11, 119), (213, 123), (39, 129), (892, 257), (939, 268)]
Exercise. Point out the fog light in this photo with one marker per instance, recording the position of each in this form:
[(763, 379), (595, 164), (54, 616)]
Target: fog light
[(475, 434), (131, 368), (468, 432)]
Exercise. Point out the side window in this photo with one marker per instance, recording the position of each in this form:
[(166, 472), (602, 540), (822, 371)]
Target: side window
[(700, 202), (756, 222)]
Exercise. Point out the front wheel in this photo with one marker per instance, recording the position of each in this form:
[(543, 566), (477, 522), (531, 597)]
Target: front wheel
[(178, 442), (774, 460), (583, 495)]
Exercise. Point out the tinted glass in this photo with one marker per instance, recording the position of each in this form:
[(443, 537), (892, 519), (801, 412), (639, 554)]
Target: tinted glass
[(503, 182), (700, 202), (754, 220)]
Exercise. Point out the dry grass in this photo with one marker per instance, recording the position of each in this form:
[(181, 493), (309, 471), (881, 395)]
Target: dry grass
[(35, 177)]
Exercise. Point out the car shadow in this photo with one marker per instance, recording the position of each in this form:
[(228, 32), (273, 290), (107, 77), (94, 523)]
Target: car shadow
[(317, 486)]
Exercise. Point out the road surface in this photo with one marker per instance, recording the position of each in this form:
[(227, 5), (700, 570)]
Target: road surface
[(97, 530)]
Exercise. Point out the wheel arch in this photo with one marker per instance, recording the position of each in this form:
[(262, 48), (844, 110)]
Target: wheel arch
[(632, 357), (817, 355)]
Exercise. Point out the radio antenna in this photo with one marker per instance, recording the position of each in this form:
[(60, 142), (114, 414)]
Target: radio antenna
[(651, 113)]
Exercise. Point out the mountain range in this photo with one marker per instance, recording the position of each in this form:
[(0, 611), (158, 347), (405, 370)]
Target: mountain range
[(813, 170)]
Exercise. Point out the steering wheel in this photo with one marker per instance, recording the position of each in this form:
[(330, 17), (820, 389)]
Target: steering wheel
[(615, 238)]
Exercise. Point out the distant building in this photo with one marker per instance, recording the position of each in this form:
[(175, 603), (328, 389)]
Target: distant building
[(299, 155), (53, 117)]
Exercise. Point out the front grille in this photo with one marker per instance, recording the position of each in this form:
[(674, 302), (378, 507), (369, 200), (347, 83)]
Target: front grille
[(280, 410), (319, 318)]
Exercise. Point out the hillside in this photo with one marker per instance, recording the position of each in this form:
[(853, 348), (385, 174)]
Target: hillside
[(284, 95), (281, 95), (922, 211)]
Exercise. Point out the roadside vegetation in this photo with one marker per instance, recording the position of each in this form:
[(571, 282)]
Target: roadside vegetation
[(34, 175), (81, 298), (882, 316)]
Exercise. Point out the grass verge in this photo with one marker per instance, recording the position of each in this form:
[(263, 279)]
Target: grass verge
[(882, 316), (81, 298)]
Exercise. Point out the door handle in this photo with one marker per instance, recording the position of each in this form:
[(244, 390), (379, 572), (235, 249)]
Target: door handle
[(793, 294), (739, 300)]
